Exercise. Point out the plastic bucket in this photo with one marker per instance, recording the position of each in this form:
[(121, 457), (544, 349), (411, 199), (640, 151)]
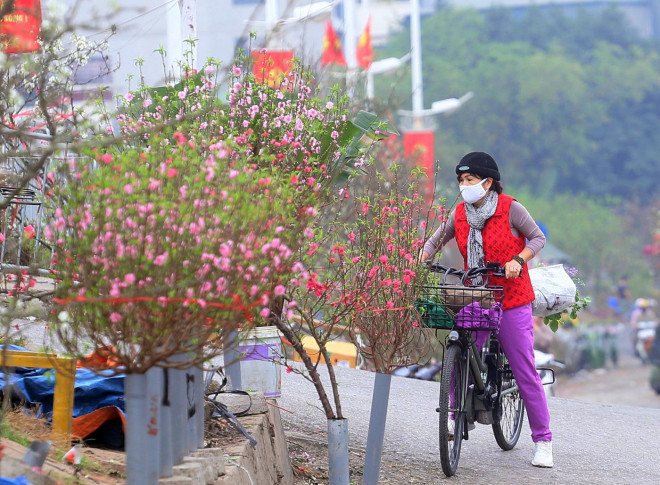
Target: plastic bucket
[(261, 356)]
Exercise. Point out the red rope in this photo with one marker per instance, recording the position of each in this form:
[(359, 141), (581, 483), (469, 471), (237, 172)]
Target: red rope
[(114, 301)]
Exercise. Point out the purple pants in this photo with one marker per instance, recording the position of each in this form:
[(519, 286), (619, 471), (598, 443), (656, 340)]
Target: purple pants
[(516, 336)]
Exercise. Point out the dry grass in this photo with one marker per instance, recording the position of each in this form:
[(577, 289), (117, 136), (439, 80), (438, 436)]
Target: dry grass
[(19, 429)]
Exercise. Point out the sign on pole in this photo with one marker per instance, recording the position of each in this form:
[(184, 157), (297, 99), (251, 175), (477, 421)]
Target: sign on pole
[(20, 26)]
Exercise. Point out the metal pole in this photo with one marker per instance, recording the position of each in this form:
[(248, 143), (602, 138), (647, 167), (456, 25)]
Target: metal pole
[(416, 63), (271, 13), (370, 86), (231, 360), (376, 435), (21, 227), (655, 11), (350, 39), (4, 234), (179, 407), (370, 76), (174, 42), (189, 28), (350, 46)]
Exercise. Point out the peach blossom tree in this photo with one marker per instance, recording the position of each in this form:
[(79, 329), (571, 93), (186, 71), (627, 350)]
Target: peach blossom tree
[(188, 221)]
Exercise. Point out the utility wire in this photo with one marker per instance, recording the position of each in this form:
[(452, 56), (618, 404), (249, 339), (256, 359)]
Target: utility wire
[(114, 26)]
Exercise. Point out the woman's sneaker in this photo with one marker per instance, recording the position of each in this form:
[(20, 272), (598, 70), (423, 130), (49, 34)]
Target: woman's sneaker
[(543, 454)]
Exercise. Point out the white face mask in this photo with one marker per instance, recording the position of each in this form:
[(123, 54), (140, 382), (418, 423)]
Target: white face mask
[(473, 193)]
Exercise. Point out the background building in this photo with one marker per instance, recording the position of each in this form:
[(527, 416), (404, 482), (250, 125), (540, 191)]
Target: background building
[(142, 26)]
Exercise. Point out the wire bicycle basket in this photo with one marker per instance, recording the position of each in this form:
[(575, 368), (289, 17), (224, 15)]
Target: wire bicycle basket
[(445, 306)]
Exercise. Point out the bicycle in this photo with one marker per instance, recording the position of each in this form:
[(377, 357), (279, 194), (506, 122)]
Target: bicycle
[(475, 386)]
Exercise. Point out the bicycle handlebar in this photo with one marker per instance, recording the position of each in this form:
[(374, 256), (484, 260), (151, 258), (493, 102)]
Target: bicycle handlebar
[(491, 269)]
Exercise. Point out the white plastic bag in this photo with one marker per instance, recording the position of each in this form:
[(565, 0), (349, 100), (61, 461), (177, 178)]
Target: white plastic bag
[(554, 290)]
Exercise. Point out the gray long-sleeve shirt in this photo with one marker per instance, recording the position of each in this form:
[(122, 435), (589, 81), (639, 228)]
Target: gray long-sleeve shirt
[(520, 220)]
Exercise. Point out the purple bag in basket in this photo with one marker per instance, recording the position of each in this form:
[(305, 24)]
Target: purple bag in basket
[(473, 316)]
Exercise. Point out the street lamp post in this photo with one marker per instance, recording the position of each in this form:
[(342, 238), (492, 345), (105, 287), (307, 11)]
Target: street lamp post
[(189, 28), (271, 14), (181, 24), (383, 66), (416, 63), (420, 130)]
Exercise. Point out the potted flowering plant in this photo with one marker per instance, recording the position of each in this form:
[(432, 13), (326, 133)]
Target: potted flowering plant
[(173, 221), (383, 243), (360, 281)]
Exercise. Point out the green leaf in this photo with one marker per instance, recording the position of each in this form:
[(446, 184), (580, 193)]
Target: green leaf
[(357, 139)]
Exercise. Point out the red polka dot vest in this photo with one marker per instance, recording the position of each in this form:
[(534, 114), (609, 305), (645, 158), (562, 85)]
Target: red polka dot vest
[(500, 245)]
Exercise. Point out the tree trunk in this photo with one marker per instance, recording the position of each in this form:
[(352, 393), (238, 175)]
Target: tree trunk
[(309, 365)]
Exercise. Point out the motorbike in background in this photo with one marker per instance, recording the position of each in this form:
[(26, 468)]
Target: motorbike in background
[(654, 359), (644, 338), (546, 364), (426, 372)]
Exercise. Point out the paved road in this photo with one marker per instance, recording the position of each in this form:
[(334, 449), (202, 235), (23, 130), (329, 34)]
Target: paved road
[(628, 383), (593, 443)]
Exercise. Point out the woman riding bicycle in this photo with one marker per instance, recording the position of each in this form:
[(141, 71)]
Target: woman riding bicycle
[(490, 226)]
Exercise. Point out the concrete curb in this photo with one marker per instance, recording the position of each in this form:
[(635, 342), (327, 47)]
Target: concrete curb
[(240, 464), (266, 464), (12, 467)]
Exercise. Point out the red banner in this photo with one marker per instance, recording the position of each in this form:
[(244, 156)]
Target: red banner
[(419, 145), (272, 67), (20, 26)]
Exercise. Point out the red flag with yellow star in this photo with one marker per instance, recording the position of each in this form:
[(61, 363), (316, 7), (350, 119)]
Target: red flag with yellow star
[(332, 53), (365, 50), (272, 67)]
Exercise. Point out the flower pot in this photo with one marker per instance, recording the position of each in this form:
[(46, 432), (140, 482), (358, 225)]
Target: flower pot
[(142, 401), (376, 435), (260, 362), (338, 468)]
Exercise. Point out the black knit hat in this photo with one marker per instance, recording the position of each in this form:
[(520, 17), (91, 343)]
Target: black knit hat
[(478, 163)]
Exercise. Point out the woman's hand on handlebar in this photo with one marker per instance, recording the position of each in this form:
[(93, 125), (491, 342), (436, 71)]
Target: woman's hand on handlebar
[(512, 269)]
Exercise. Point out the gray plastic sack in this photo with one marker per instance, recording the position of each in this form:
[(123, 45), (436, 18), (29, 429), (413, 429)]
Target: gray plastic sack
[(554, 290)]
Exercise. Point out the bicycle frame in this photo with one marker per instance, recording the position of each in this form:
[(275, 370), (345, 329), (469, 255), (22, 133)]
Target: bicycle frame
[(482, 375), (475, 386)]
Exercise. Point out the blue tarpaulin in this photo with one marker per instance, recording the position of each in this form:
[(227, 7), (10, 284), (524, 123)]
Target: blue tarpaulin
[(20, 480), (92, 392)]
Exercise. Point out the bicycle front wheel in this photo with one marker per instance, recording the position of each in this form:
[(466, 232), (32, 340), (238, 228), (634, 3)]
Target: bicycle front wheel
[(510, 410), (451, 410)]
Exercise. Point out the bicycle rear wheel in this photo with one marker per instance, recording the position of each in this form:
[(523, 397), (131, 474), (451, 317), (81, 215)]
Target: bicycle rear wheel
[(509, 411), (451, 410)]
